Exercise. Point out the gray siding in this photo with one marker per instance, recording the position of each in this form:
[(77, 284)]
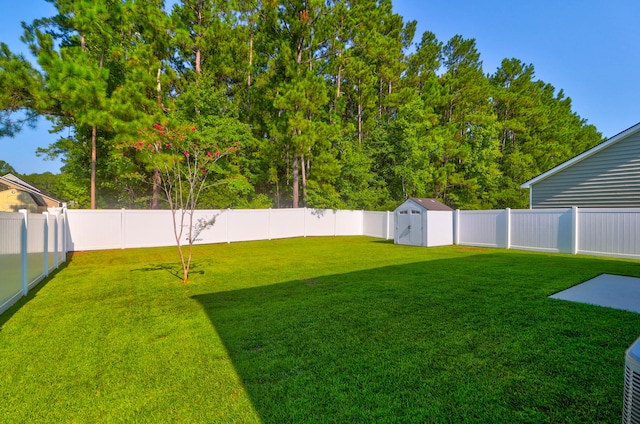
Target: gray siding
[(608, 179)]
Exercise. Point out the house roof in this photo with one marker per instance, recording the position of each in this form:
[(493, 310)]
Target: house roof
[(15, 182), (613, 140), (430, 204)]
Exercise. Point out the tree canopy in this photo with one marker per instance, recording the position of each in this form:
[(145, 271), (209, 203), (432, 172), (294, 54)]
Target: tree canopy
[(332, 103)]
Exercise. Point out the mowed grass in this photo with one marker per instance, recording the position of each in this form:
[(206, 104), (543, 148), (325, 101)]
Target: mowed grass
[(348, 329)]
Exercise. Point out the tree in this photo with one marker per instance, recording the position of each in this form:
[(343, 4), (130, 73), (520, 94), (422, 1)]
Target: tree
[(188, 164), (20, 92), (5, 168)]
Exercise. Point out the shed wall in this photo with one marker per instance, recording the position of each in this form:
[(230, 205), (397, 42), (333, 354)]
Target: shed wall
[(439, 228), (609, 178)]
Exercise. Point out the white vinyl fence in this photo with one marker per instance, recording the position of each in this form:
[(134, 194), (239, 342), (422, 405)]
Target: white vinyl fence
[(599, 232), (122, 229), (608, 232), (31, 246)]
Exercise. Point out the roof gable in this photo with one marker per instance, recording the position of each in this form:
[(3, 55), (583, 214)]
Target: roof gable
[(613, 140), (17, 183), (20, 182)]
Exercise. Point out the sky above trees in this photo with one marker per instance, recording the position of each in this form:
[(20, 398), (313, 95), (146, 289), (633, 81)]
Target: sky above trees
[(583, 47)]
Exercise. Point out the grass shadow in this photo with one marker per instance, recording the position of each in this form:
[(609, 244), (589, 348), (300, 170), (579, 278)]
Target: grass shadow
[(9, 313), (451, 340), (173, 269)]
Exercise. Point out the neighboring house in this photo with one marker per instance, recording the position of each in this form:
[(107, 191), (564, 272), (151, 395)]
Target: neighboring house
[(423, 222), (16, 194), (605, 176)]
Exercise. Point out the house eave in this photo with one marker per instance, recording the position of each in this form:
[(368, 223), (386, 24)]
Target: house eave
[(613, 140)]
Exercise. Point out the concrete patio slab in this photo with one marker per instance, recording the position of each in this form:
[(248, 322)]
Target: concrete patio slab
[(613, 291)]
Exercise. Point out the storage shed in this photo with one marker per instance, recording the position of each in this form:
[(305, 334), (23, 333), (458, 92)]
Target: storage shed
[(423, 222), (605, 176)]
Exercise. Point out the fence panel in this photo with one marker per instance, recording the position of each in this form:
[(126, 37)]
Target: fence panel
[(145, 228), (378, 224), (286, 223), (320, 222), (52, 222), (247, 225), (482, 228), (61, 237), (10, 258), (94, 229), (216, 233), (27, 252), (609, 232), (541, 229), (35, 248), (348, 223)]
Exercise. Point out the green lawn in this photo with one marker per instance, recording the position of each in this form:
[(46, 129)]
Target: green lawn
[(347, 329)]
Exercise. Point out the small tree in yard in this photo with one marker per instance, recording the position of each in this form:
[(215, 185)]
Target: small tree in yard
[(188, 164)]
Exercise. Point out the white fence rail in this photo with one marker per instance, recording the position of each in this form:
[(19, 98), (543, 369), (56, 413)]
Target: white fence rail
[(31, 246)]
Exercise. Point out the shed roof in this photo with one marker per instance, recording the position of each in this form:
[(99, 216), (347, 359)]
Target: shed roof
[(430, 204), (613, 140)]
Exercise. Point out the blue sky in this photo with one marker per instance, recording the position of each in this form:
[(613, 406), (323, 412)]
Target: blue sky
[(588, 48)]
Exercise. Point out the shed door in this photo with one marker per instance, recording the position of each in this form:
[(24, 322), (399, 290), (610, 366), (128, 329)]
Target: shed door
[(410, 227)]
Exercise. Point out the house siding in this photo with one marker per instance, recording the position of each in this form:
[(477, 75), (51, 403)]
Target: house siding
[(609, 179)]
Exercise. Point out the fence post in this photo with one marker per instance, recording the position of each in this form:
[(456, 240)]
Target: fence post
[(56, 230), (456, 227), (269, 224), (228, 221), (65, 234), (23, 251), (304, 220), (123, 243), (508, 224), (574, 232), (46, 243), (388, 223)]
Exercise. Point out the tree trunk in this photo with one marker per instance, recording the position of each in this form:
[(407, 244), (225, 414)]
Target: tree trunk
[(380, 85), (359, 115), (157, 178), (304, 180), (155, 197), (250, 60), (198, 64), (295, 181), (94, 149), (94, 146)]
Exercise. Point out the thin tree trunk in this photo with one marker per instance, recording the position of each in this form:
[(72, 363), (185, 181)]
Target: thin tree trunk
[(359, 114), (157, 177), (94, 149), (295, 182), (94, 145), (338, 87), (155, 196), (304, 180), (198, 48), (380, 98), (250, 59)]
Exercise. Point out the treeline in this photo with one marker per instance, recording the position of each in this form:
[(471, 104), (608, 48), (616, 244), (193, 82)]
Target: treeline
[(331, 102)]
